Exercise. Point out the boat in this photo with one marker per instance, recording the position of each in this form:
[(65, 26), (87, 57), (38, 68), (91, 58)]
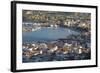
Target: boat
[(36, 28)]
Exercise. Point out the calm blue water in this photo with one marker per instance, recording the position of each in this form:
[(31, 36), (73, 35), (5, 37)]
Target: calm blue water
[(47, 34)]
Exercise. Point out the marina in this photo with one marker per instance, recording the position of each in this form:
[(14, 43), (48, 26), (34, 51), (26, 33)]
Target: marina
[(54, 44)]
